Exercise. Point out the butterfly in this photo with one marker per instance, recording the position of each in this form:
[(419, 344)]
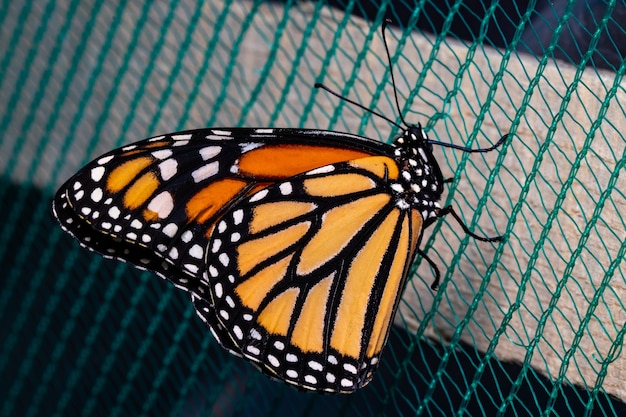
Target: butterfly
[(293, 244)]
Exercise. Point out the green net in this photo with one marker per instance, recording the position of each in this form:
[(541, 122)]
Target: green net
[(530, 326)]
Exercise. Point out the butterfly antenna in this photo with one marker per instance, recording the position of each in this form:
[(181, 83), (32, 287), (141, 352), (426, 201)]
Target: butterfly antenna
[(393, 79), (322, 86)]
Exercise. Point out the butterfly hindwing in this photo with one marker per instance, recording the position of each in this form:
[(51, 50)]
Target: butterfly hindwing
[(305, 275)]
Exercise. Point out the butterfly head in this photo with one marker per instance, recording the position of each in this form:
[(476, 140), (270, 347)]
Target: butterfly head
[(420, 184)]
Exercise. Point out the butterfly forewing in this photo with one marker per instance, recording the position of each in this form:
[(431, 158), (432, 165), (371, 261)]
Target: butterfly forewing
[(154, 203), (305, 275)]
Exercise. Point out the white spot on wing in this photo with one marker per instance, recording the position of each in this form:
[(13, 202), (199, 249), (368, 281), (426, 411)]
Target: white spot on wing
[(185, 136), (170, 230), (273, 361), (218, 290), (168, 168), (321, 170), (224, 259), (206, 171), (253, 349), (259, 196), (162, 204), (238, 216), (97, 173), (350, 368), (162, 153), (213, 271), (104, 160), (345, 382), (96, 195), (247, 147), (186, 236), (196, 251), (285, 188), (222, 132), (209, 152), (114, 212), (316, 366), (238, 333)]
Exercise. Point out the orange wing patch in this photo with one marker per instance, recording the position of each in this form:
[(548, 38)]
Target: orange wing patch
[(340, 184), (308, 333), (381, 166), (340, 225), (206, 203), (286, 160), (268, 215), (250, 253), (393, 285), (349, 325), (276, 316), (253, 290), (121, 176), (141, 190)]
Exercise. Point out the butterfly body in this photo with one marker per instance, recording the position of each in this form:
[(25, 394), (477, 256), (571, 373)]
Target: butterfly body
[(293, 244)]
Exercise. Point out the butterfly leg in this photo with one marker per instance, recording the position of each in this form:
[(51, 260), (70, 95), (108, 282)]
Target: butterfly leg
[(432, 264), (443, 212), (449, 210)]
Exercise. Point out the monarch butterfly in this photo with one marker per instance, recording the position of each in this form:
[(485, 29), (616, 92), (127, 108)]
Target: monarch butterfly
[(293, 244)]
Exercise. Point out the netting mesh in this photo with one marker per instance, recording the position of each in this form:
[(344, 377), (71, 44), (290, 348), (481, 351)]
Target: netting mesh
[(534, 325)]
